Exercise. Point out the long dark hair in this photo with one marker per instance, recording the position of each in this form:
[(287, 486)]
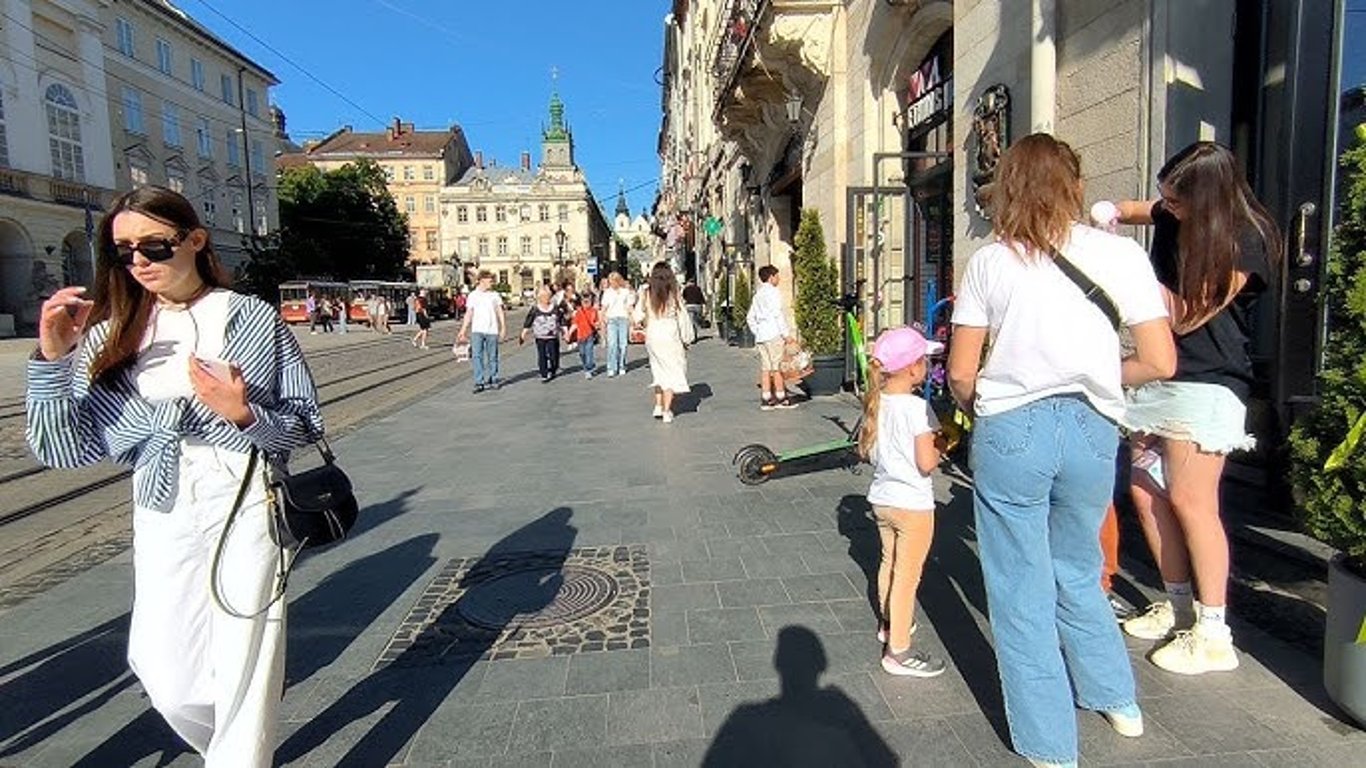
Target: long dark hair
[(1036, 194), (122, 300), (663, 288), (1217, 205)]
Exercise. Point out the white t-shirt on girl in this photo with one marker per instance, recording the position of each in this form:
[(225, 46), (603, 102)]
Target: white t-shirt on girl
[(897, 481), (1046, 337)]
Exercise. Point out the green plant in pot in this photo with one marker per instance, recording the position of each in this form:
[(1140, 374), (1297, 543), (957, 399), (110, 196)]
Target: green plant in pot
[(744, 297), (818, 318), (1328, 450)]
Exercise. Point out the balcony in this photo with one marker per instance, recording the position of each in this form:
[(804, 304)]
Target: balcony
[(736, 38), (48, 189)]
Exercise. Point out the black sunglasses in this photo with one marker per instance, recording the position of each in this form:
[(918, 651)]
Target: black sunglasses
[(156, 250)]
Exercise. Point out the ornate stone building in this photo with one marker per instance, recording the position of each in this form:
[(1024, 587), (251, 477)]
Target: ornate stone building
[(526, 225)]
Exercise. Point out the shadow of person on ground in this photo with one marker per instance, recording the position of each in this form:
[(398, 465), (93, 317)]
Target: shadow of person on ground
[(806, 725), (420, 679), (691, 402)]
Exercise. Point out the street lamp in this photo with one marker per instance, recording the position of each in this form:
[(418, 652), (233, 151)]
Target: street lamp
[(559, 241), (793, 106)]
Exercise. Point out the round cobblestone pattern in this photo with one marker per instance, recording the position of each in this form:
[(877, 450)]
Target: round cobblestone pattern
[(519, 598)]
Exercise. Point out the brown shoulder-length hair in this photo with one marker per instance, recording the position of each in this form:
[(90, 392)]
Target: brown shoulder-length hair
[(1036, 195), (663, 288), (1217, 207), (122, 300)]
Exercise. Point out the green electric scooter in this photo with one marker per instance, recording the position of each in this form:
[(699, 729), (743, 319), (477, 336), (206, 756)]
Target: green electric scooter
[(756, 463)]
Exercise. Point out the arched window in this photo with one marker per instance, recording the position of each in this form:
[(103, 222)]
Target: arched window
[(64, 133)]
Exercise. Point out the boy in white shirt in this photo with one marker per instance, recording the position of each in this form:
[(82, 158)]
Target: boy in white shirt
[(771, 334)]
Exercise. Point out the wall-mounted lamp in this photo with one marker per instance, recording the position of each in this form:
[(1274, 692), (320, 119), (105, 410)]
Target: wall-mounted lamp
[(794, 107)]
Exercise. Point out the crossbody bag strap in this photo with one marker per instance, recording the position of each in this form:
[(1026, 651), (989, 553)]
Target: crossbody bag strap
[(1093, 292), (215, 571)]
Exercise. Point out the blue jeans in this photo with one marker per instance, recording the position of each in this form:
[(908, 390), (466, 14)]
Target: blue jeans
[(484, 357), (618, 329), (1043, 474), (586, 354)]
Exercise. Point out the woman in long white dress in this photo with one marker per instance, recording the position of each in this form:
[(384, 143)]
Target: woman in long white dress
[(665, 339)]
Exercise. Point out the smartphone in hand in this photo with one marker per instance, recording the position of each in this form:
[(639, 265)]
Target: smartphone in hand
[(219, 369)]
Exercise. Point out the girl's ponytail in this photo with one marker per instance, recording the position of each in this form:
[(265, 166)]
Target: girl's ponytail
[(872, 401)]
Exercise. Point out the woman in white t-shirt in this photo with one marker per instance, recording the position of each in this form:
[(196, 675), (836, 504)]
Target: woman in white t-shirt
[(617, 304), (900, 438), (1047, 402)]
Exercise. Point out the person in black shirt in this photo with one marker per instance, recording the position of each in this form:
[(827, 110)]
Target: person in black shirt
[(544, 322), (693, 300), (1213, 250)]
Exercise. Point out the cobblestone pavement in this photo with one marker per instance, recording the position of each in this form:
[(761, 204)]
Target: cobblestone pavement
[(502, 530)]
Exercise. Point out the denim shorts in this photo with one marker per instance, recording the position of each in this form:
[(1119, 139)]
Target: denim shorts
[(1209, 415)]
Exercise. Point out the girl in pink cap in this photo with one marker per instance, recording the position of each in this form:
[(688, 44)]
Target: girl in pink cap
[(900, 436)]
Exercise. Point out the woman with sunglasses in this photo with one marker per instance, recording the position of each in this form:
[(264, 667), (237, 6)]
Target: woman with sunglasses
[(1214, 249), (168, 371)]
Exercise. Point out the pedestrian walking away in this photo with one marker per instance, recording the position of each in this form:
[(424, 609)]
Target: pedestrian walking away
[(162, 371), (325, 313), (768, 323), (483, 327), (694, 301), (1214, 249), (410, 307), (424, 321), (1045, 438), (311, 309), (343, 308), (900, 437), (667, 332), (587, 326), (543, 323), (618, 303)]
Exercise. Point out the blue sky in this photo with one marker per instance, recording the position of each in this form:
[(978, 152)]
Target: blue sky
[(485, 64)]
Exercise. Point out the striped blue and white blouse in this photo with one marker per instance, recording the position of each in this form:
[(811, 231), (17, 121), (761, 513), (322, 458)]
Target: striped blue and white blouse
[(73, 422)]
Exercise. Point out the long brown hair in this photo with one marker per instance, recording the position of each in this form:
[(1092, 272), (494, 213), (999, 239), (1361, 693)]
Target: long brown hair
[(122, 300), (663, 288), (1217, 205), (872, 404), (1036, 195)]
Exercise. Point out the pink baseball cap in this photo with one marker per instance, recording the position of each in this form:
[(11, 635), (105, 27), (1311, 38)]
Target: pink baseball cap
[(898, 348)]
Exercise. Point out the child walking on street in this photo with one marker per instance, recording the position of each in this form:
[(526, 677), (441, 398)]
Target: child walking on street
[(900, 438), (586, 325), (543, 322)]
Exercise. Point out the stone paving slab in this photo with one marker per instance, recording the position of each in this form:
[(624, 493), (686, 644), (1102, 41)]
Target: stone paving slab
[(759, 628)]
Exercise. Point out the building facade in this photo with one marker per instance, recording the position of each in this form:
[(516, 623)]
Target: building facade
[(887, 117), (416, 164), (56, 160), (190, 112), (527, 226)]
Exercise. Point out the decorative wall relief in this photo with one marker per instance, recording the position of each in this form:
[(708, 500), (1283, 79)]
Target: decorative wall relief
[(991, 136)]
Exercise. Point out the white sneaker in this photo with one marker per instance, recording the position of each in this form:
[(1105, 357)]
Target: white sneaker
[(668, 417), (611, 374), (658, 412), (1127, 722), (1197, 651), (1156, 623)]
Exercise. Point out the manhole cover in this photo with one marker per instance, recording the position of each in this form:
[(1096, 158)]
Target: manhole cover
[(528, 605), (541, 597)]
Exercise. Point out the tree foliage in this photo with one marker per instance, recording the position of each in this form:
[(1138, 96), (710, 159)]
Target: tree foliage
[(1334, 500), (341, 224), (817, 286)]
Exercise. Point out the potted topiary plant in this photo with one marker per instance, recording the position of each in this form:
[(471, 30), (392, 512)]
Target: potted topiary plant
[(818, 319), (1328, 452), (744, 297)]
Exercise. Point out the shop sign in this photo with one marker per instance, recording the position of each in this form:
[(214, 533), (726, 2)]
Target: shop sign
[(929, 94)]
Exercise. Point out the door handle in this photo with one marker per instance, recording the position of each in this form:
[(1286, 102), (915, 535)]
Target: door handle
[(1303, 258)]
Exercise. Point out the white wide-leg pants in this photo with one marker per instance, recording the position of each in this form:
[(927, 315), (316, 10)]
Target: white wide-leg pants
[(216, 679)]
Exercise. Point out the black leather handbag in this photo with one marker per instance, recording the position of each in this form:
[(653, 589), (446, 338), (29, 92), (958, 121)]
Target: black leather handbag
[(312, 508)]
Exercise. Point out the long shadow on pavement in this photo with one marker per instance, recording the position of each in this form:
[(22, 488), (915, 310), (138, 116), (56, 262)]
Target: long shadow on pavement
[(952, 575), (415, 683), (806, 725)]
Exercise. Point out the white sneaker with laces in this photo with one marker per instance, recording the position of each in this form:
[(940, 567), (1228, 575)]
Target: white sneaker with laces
[(1197, 651), (668, 417), (1155, 623), (658, 412)]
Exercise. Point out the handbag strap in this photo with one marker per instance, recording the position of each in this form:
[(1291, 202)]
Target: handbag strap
[(215, 570), (1093, 292)]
